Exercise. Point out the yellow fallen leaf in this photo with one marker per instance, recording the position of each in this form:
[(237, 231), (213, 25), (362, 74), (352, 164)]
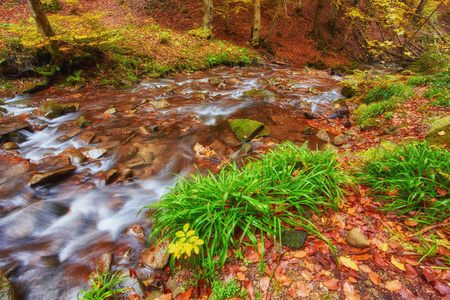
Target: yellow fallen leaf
[(397, 264), (385, 247), (441, 133), (348, 263)]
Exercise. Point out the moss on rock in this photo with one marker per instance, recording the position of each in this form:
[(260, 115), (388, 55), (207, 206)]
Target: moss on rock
[(246, 129), (439, 132), (261, 94)]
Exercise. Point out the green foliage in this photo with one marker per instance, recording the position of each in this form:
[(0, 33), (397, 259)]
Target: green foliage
[(377, 109), (224, 290), (103, 287), (436, 58), (387, 92), (439, 86), (75, 77), (51, 5), (265, 196), (412, 178)]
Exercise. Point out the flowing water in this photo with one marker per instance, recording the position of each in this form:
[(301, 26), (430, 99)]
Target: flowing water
[(50, 236)]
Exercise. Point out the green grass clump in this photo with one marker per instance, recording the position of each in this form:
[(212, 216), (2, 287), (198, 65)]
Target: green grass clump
[(377, 109), (384, 93), (224, 290), (104, 287), (265, 196), (413, 177)]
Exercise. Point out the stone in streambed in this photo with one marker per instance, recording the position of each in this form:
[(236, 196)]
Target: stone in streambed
[(136, 230), (12, 124), (86, 138), (80, 122), (261, 94), (323, 135), (6, 289), (294, 239), (357, 239), (49, 109), (439, 132), (133, 283), (40, 179), (338, 140), (95, 153), (10, 146), (244, 150), (246, 129), (154, 295), (158, 257), (75, 155), (104, 262), (160, 104), (111, 175)]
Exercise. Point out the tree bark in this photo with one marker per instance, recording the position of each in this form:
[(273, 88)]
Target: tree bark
[(419, 10), (333, 16), (299, 9), (274, 22), (208, 17), (255, 38), (227, 17), (317, 32)]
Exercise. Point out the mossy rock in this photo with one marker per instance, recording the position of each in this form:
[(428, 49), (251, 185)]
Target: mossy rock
[(70, 107), (368, 124), (107, 82), (49, 109), (6, 289), (261, 94), (80, 122), (348, 91), (440, 132), (3, 110), (133, 78), (20, 104), (35, 87), (294, 239), (246, 129), (2, 102)]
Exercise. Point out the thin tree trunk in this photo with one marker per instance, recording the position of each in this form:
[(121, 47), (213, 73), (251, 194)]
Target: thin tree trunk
[(419, 10), (317, 32), (299, 9), (227, 17), (208, 17), (46, 30), (333, 16), (274, 22), (255, 38)]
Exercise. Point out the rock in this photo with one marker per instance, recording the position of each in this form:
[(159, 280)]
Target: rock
[(232, 81), (86, 138), (136, 230), (340, 113), (10, 146), (104, 262), (111, 175), (177, 291), (49, 109), (368, 124), (348, 91), (52, 163), (6, 289), (70, 107), (153, 295), (67, 136), (12, 124), (309, 116), (246, 129), (160, 104), (294, 238), (214, 81), (308, 131), (357, 239), (439, 132), (347, 124), (20, 104), (261, 94), (338, 140), (244, 150), (3, 110), (360, 111), (80, 122), (125, 258), (157, 258), (112, 110), (50, 177), (133, 283), (75, 156), (323, 135), (16, 137), (144, 131), (94, 153), (34, 87), (127, 173)]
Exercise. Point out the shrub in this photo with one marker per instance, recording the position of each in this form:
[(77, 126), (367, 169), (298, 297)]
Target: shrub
[(412, 178), (264, 197)]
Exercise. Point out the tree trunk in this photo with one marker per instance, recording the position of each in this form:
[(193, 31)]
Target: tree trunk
[(299, 9), (46, 30), (255, 37), (419, 10), (317, 32), (333, 16), (227, 17), (274, 22), (208, 17)]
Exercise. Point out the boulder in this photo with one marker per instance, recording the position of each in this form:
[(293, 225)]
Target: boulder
[(338, 140), (136, 230), (368, 124), (246, 129), (10, 146), (348, 91), (294, 238), (357, 239), (104, 262), (12, 124), (6, 289), (49, 109), (323, 135), (70, 107), (261, 94), (49, 177), (52, 163), (157, 257), (439, 132)]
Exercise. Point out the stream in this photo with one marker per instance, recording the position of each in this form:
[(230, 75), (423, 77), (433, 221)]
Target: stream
[(51, 235)]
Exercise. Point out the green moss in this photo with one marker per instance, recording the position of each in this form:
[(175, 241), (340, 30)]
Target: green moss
[(261, 94), (439, 132), (246, 129)]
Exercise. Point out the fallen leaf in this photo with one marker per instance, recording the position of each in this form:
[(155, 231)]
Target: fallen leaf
[(301, 288), (429, 274), (378, 259), (398, 264), (243, 269), (442, 288), (299, 254), (441, 133), (441, 192), (240, 276), (331, 284), (411, 261), (307, 275), (365, 268), (385, 247), (264, 283), (393, 285), (253, 257), (350, 292), (375, 278), (411, 223), (165, 297), (362, 257), (185, 295), (406, 294), (348, 263)]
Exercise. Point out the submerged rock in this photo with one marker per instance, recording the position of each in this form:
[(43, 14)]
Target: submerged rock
[(439, 132), (246, 129), (86, 138), (357, 239), (261, 94), (294, 239), (111, 175), (10, 146), (40, 179), (104, 262), (136, 230), (6, 289), (160, 104)]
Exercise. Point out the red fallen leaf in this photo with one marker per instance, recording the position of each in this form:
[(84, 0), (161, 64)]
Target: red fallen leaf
[(410, 272), (253, 257), (406, 294), (185, 295), (354, 274), (133, 273), (441, 192), (240, 276), (378, 259), (331, 284), (442, 288), (429, 274), (264, 283), (250, 291), (375, 278), (301, 288), (350, 292), (411, 223), (361, 257), (393, 285), (307, 275)]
